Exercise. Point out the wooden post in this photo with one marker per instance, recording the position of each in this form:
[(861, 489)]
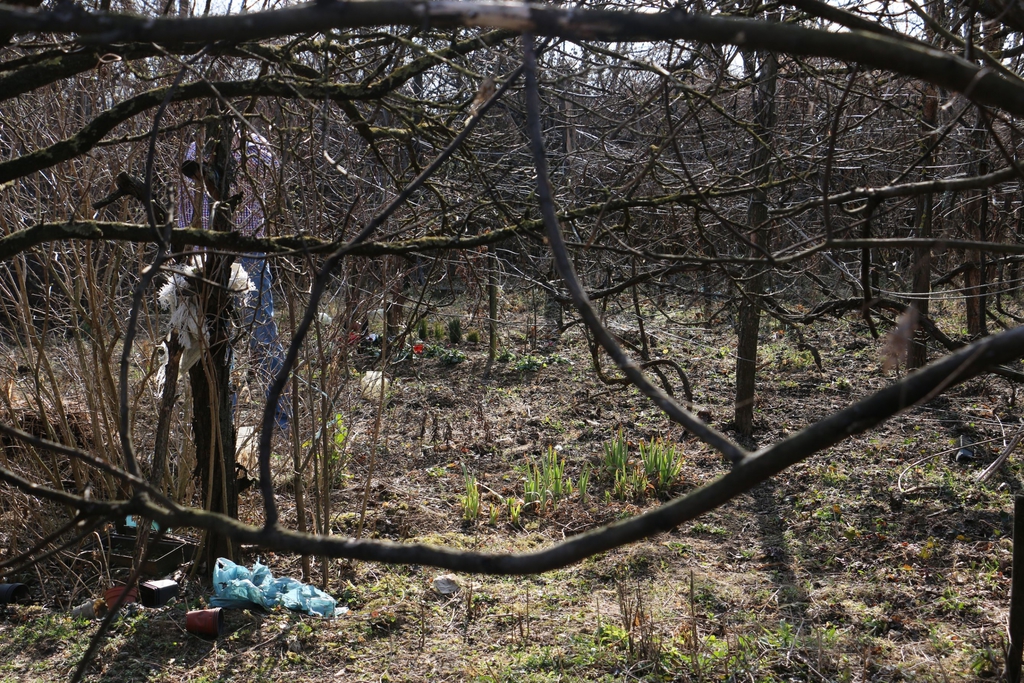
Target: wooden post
[(1013, 656)]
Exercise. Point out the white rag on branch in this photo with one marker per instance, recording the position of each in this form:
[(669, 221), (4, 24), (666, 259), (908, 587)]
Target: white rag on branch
[(178, 295)]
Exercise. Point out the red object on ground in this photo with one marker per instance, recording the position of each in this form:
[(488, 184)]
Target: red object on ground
[(112, 595), (417, 348), (205, 622)]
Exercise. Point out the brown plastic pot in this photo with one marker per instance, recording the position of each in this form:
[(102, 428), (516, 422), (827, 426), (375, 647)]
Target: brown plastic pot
[(205, 622), (114, 593)]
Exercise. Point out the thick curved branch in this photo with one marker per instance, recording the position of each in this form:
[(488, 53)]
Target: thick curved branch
[(838, 307), (925, 243), (85, 507), (86, 458), (23, 240), (94, 131), (895, 54)]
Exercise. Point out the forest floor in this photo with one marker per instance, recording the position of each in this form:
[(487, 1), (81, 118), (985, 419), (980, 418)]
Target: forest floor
[(881, 559)]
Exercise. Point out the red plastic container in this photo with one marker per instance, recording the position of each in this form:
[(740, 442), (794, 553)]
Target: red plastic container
[(112, 595), (205, 622)]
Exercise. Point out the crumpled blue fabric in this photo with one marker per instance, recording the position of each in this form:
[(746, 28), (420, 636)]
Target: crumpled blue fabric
[(235, 586)]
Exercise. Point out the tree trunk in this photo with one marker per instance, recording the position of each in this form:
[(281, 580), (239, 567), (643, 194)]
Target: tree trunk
[(298, 472), (212, 426), (917, 354), (975, 284), (492, 310), (977, 213), (757, 218), (553, 314)]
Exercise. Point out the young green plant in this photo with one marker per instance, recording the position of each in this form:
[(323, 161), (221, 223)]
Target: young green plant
[(662, 464), (616, 455), (582, 484), (470, 500), (455, 330), (515, 509), (546, 483)]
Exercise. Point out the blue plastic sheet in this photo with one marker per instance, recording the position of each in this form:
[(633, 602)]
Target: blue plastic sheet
[(235, 586)]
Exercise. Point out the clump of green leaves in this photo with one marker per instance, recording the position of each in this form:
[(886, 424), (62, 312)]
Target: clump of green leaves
[(505, 356), (455, 330), (616, 455), (337, 459), (470, 500), (661, 464), (438, 330), (452, 357), (659, 467), (446, 356), (528, 363), (545, 483), (531, 363), (422, 330), (473, 336), (631, 483), (515, 509)]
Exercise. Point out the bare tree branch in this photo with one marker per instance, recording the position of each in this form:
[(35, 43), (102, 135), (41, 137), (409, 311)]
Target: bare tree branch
[(900, 55)]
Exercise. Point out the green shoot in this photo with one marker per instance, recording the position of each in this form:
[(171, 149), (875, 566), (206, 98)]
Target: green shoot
[(616, 455), (662, 464), (470, 500)]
